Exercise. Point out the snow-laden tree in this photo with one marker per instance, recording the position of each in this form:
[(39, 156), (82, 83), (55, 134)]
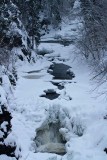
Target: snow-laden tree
[(9, 25), (8, 143), (95, 24), (13, 34), (93, 42)]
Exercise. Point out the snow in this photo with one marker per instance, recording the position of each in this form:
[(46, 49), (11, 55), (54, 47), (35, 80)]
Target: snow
[(85, 110), (2, 96), (4, 157), (3, 126), (84, 126)]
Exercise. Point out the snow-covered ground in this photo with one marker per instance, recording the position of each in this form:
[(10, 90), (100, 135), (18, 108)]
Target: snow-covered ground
[(85, 110), (29, 109)]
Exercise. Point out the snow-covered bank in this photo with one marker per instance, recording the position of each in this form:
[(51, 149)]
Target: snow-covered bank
[(85, 126)]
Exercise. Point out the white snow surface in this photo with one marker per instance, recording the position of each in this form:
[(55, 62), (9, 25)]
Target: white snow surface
[(86, 109), (29, 109)]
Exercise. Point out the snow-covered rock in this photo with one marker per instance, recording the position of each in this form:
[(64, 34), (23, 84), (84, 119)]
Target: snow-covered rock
[(57, 148)]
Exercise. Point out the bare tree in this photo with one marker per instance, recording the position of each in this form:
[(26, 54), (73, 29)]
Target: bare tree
[(93, 42)]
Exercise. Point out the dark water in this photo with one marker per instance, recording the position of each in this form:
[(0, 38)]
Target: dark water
[(32, 76), (61, 71), (50, 94), (64, 42), (34, 71)]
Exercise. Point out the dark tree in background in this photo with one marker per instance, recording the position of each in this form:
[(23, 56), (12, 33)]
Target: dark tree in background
[(55, 10), (30, 12), (33, 24)]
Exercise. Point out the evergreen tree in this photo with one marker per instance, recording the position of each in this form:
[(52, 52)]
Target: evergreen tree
[(9, 25)]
